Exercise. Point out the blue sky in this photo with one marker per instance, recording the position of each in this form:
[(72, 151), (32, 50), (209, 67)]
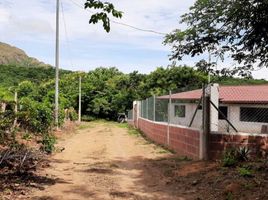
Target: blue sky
[(30, 25)]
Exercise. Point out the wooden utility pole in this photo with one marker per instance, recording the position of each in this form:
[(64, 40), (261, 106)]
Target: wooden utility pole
[(57, 66)]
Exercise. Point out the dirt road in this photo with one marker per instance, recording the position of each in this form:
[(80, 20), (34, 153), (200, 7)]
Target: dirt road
[(103, 161)]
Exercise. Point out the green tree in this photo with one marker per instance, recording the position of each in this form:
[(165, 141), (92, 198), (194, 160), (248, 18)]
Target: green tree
[(234, 27)]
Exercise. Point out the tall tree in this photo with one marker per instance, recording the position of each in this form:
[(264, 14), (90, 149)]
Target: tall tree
[(238, 28)]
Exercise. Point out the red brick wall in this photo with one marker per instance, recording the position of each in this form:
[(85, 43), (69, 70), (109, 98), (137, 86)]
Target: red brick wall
[(183, 141), (219, 142)]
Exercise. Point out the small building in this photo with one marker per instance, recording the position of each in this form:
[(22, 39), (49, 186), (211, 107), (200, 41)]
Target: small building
[(246, 107)]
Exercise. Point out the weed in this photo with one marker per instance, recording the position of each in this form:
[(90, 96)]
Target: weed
[(27, 136), (245, 172), (85, 126), (48, 143), (233, 156), (229, 196), (122, 125), (162, 151), (243, 153), (229, 158)]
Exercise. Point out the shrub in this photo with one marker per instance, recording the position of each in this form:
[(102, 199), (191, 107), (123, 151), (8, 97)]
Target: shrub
[(48, 143), (73, 116), (6, 123), (234, 155), (229, 158), (35, 116), (243, 153)]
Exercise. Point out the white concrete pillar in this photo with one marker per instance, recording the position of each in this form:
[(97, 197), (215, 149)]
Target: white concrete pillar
[(214, 114)]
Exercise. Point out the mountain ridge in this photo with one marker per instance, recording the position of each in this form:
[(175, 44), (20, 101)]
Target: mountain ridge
[(11, 55)]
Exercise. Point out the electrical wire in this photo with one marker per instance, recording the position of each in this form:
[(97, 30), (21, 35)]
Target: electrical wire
[(124, 24), (66, 36)]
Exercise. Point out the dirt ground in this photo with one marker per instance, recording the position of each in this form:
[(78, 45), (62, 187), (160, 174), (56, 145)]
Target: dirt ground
[(106, 161), (103, 161)]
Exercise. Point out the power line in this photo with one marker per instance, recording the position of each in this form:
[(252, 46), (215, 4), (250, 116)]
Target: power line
[(124, 24), (66, 36)]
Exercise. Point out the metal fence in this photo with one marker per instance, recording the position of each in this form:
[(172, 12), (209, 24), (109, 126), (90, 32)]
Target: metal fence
[(130, 115), (169, 109)]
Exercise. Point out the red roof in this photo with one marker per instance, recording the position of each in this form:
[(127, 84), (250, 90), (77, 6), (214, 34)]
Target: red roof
[(230, 94)]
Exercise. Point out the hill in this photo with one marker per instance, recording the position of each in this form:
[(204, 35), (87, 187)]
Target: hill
[(10, 55)]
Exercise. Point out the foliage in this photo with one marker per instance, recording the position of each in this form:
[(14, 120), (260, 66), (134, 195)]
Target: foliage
[(48, 143), (243, 154), (233, 156), (35, 116), (106, 9), (12, 75), (224, 27), (245, 172), (229, 158), (73, 116), (105, 93), (6, 123)]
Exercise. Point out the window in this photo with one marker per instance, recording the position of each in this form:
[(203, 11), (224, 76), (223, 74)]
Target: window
[(179, 110), (248, 114), (224, 110)]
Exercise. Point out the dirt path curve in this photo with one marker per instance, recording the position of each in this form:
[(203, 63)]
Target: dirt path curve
[(104, 162)]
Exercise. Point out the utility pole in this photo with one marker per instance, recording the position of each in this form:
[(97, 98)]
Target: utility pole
[(80, 93), (209, 62), (57, 67)]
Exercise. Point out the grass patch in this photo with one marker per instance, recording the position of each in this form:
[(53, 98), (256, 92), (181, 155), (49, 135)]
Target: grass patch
[(85, 125), (163, 151), (122, 125)]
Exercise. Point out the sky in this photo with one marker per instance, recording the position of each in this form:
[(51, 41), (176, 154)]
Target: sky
[(30, 25)]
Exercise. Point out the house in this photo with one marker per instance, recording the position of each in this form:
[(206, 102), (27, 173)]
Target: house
[(246, 107)]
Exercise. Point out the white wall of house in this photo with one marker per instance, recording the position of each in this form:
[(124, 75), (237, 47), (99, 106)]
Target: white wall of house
[(223, 126), (189, 112), (247, 127)]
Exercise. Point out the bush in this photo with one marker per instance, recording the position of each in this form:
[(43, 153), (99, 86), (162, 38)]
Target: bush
[(48, 143), (229, 158), (234, 155), (73, 116), (35, 116), (243, 154), (6, 123)]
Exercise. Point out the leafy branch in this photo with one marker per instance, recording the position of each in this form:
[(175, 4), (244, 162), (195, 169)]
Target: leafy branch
[(106, 10)]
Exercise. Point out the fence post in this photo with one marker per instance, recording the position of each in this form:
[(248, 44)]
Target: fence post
[(147, 108), (154, 109), (169, 117), (206, 123), (16, 108)]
